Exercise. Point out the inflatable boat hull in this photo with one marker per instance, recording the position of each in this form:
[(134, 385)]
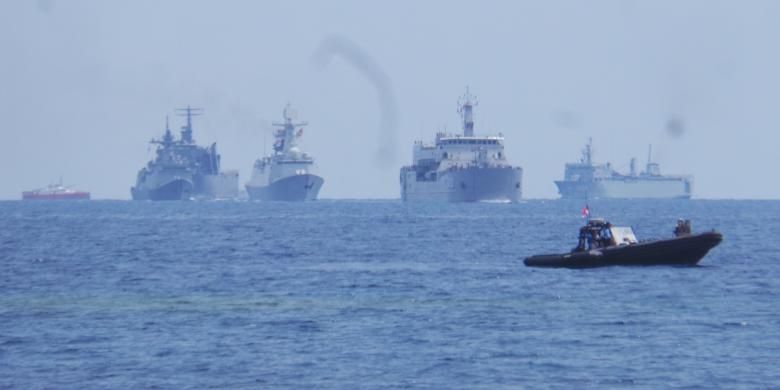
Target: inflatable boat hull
[(687, 250)]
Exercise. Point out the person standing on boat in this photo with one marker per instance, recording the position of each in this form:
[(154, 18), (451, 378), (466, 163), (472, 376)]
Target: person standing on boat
[(605, 235), (683, 228), (584, 240)]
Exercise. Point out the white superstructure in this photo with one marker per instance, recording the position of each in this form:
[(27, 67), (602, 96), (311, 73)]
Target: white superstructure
[(461, 168)]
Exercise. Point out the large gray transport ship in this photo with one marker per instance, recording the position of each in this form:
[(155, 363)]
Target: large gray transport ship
[(587, 180), (182, 170), (461, 168), (287, 174)]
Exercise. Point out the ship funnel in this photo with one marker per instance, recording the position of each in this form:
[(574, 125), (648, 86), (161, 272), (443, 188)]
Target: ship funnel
[(466, 110)]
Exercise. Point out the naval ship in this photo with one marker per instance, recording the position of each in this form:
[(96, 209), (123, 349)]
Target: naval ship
[(461, 168), (287, 174), (182, 170), (587, 180)]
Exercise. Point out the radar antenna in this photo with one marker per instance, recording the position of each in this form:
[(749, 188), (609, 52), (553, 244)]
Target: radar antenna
[(288, 115), (186, 131), (286, 136)]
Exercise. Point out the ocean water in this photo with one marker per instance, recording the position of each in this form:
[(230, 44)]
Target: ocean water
[(378, 294)]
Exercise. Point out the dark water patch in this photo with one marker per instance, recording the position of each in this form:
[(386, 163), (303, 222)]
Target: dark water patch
[(66, 351), (12, 341), (89, 339), (295, 325)]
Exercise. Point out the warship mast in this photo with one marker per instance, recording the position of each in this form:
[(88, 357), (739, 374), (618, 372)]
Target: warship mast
[(466, 105), (186, 130), (587, 153), (167, 138), (652, 167), (286, 136)]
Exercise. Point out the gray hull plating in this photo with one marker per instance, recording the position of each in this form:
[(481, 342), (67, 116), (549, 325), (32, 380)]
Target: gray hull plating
[(174, 190), (629, 188), (295, 188), (471, 184)]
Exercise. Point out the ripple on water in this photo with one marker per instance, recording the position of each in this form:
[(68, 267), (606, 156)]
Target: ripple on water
[(376, 294)]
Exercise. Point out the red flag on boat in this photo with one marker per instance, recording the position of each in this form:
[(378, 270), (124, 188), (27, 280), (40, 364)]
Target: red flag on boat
[(585, 212)]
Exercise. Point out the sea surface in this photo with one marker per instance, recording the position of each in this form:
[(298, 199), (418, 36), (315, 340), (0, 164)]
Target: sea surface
[(378, 294)]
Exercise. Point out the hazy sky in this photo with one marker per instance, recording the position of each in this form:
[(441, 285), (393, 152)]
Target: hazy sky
[(84, 85)]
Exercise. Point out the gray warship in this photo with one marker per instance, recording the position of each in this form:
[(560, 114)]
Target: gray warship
[(461, 168), (587, 180), (288, 173), (182, 170)]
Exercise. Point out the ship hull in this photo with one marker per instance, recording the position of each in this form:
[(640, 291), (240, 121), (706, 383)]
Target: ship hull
[(471, 184), (179, 189), (68, 196), (687, 250), (625, 189), (297, 188)]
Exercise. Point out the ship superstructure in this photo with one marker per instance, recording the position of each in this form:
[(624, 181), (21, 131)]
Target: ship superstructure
[(461, 167), (182, 170), (588, 180), (288, 174)]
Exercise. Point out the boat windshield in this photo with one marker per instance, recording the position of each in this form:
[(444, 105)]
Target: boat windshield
[(623, 235), (601, 234)]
